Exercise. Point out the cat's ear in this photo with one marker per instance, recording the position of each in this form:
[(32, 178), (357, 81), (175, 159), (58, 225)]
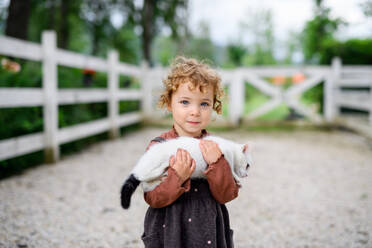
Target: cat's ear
[(245, 148)]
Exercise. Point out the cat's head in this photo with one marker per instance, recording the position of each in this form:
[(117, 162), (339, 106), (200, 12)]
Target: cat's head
[(244, 160)]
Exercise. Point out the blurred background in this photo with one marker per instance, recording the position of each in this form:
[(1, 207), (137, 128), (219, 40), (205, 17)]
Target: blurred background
[(238, 34)]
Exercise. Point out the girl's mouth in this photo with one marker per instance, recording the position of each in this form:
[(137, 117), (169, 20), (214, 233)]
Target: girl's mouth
[(194, 123)]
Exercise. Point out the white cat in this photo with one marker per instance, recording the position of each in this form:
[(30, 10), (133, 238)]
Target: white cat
[(154, 163)]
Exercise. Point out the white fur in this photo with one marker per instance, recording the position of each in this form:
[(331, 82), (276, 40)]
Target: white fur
[(154, 163)]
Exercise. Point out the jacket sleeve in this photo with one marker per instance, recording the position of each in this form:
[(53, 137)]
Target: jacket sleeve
[(221, 181), (168, 190)]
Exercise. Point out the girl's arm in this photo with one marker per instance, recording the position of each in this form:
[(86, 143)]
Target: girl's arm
[(221, 181), (168, 190)]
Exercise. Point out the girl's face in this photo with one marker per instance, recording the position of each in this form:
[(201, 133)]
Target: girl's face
[(191, 110)]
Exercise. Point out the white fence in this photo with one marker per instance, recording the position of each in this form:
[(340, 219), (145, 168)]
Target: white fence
[(49, 96), (346, 88), (335, 77)]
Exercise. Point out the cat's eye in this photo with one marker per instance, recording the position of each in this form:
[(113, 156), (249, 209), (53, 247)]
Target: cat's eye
[(247, 167)]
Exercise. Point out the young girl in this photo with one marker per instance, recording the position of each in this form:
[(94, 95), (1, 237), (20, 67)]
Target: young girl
[(183, 212)]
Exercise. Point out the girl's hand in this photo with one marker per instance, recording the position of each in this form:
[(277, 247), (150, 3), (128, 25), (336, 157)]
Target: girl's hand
[(184, 165), (210, 150)]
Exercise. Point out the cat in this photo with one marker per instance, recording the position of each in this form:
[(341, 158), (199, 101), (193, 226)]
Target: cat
[(153, 165)]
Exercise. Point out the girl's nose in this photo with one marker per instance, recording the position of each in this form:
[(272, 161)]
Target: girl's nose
[(195, 111)]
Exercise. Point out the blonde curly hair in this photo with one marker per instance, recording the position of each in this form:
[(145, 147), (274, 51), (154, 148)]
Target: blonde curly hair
[(199, 74)]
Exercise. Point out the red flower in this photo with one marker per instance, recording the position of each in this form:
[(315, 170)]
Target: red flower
[(89, 71)]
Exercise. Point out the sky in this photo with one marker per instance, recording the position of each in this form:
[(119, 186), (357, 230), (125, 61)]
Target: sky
[(224, 17)]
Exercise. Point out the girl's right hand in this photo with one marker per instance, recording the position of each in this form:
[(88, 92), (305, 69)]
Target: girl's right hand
[(184, 165)]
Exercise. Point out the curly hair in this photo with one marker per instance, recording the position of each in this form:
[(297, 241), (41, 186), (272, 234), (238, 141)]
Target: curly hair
[(199, 74)]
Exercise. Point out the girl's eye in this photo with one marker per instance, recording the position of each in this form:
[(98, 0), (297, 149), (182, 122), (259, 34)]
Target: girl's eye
[(184, 102), (205, 104)]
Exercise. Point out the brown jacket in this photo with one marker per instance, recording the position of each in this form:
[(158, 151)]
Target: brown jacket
[(220, 179)]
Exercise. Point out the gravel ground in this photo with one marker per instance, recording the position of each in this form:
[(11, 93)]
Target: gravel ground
[(306, 189)]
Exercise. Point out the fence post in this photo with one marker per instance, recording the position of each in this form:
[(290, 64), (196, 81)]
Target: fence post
[(50, 87), (331, 108), (147, 96), (113, 87), (236, 98)]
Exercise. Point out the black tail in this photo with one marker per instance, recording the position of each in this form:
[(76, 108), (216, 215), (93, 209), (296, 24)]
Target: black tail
[(127, 190)]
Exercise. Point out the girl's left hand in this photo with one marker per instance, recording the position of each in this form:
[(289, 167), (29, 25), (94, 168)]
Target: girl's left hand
[(210, 150)]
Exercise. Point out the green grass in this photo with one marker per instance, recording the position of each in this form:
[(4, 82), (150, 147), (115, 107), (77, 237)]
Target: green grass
[(278, 113)]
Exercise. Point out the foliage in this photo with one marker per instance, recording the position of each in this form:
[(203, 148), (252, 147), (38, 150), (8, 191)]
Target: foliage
[(366, 6), (258, 27), (152, 16), (314, 98), (69, 115), (199, 46), (19, 164), (236, 52), (20, 121), (129, 106), (164, 50), (29, 76), (317, 32), (202, 49), (128, 44), (351, 52), (292, 49), (96, 15)]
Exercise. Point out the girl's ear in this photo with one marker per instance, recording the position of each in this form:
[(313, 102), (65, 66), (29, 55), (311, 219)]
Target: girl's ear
[(169, 108)]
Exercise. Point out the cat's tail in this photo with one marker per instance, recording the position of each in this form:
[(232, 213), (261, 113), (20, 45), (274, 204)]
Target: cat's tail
[(127, 190)]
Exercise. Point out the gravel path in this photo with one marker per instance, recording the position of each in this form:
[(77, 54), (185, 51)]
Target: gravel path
[(306, 189)]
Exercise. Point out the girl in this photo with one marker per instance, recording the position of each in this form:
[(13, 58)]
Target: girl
[(183, 212)]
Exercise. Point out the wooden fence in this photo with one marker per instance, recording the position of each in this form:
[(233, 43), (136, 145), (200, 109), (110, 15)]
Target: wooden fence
[(50, 97)]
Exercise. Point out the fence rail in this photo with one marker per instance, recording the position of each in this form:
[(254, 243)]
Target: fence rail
[(50, 97), (335, 77)]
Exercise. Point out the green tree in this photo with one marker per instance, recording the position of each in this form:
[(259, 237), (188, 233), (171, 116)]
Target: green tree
[(352, 52), (318, 32), (152, 16), (61, 16), (367, 8), (293, 47), (235, 53), (258, 29), (96, 14), (200, 45), (164, 50), (127, 43)]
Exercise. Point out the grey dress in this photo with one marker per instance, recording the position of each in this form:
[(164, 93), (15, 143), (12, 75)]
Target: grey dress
[(194, 220)]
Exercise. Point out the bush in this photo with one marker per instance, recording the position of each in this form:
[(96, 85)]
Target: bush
[(351, 52)]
